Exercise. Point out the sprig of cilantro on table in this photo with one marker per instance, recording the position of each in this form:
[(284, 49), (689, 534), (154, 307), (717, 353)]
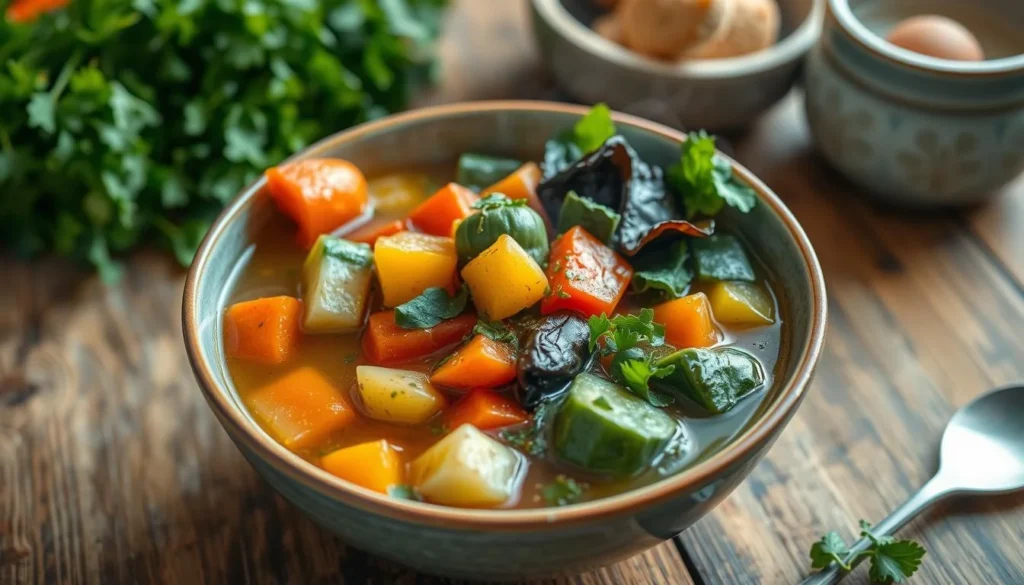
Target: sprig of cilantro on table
[(892, 561), (705, 181), (134, 121)]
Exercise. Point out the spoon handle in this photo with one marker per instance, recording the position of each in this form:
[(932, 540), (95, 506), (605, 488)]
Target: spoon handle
[(931, 492)]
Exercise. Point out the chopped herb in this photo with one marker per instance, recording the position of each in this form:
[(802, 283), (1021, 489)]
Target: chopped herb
[(431, 307), (496, 200), (556, 267), (563, 295), (625, 331), (394, 393), (892, 561), (590, 131), (496, 331), (636, 373), (404, 492), (705, 180), (563, 491)]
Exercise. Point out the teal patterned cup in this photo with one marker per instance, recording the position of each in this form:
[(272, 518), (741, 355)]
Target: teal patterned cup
[(503, 544), (911, 129)]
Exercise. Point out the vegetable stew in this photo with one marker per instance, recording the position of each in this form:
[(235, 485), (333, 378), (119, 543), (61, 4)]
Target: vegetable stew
[(530, 334)]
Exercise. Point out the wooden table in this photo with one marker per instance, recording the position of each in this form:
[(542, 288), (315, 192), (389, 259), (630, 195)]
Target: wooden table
[(113, 470)]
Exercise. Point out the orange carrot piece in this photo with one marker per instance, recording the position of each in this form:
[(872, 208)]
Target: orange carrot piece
[(368, 234), (435, 215), (688, 321), (301, 408), (321, 195), (375, 465), (584, 275), (263, 330), (521, 184), (28, 10), (384, 342), (485, 409), (481, 363)]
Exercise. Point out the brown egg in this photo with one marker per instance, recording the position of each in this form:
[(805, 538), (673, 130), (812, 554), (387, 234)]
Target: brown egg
[(666, 28), (750, 26), (937, 36)]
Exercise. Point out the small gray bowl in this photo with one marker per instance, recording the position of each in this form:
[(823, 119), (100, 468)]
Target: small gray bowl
[(717, 94)]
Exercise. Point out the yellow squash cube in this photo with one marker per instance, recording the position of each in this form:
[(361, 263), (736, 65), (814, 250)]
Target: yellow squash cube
[(741, 303), (397, 396), (467, 468), (408, 263), (504, 279)]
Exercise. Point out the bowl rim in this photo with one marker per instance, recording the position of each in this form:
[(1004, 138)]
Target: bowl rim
[(878, 46), (243, 430), (789, 49)]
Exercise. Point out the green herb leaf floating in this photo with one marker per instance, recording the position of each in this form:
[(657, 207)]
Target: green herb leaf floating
[(108, 147), (892, 561), (563, 491), (430, 308), (593, 129), (705, 181)]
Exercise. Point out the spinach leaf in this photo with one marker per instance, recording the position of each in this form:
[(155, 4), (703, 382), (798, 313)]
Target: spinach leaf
[(430, 308), (598, 220), (663, 269)]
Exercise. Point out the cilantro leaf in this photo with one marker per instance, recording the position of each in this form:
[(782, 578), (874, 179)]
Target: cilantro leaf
[(705, 181), (591, 131), (636, 374), (734, 193), (599, 325), (830, 548), (625, 331), (895, 561), (563, 491), (430, 308), (663, 270)]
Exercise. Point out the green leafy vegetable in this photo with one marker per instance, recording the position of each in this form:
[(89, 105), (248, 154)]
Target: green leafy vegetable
[(593, 129), (496, 331), (479, 171), (636, 373), (132, 121), (625, 331), (705, 181), (892, 561), (563, 491), (599, 220), (430, 308), (630, 338), (664, 270)]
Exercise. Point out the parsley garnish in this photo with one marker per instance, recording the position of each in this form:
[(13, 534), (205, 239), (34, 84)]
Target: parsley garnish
[(496, 331), (563, 491), (633, 365), (430, 308), (892, 561), (705, 181)]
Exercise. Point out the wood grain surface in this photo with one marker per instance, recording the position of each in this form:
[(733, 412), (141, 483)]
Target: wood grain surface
[(114, 471)]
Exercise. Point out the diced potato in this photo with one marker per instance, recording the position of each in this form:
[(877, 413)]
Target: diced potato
[(336, 281), (398, 193), (467, 468), (504, 279), (409, 263), (301, 408), (688, 321), (375, 465), (741, 303), (397, 396)]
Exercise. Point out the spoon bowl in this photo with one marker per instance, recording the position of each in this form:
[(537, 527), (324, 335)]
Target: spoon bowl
[(983, 445)]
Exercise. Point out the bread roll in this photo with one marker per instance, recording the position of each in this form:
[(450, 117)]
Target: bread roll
[(750, 26), (610, 27), (666, 28)]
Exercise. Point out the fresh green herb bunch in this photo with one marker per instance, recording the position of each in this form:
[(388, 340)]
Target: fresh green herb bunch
[(131, 120)]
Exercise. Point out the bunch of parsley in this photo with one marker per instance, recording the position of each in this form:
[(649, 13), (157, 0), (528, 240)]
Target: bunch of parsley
[(126, 121)]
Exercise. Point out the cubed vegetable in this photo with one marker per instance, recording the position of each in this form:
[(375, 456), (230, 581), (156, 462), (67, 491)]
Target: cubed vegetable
[(384, 342), (603, 428), (741, 303), (451, 203), (301, 408), (399, 193), (409, 263), (688, 321), (321, 195), (721, 257), (467, 468), (499, 215), (480, 363), (485, 409), (585, 275), (375, 465), (477, 171), (715, 379), (504, 279), (397, 396), (336, 281), (521, 184), (264, 330), (368, 234), (598, 220)]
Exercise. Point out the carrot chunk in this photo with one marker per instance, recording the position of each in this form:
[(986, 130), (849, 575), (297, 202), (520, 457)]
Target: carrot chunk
[(321, 195), (481, 363), (688, 321), (301, 408), (375, 465), (585, 275), (384, 342), (435, 215), (263, 330), (368, 234), (485, 409), (521, 184)]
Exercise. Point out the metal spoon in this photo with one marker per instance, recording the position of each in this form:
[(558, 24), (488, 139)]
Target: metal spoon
[(982, 453)]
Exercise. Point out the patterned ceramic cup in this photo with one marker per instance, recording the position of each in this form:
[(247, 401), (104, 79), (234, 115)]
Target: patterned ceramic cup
[(912, 129)]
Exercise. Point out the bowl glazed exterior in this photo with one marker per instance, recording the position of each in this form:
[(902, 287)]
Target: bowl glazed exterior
[(502, 544)]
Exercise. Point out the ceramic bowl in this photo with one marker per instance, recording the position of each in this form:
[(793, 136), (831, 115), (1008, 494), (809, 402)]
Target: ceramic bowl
[(716, 94), (502, 544), (911, 129)]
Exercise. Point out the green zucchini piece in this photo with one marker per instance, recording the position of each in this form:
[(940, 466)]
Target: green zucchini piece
[(721, 257), (715, 379), (603, 428), (336, 278), (599, 220), (479, 171)]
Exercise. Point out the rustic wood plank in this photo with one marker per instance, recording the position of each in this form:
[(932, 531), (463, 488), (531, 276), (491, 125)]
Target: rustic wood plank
[(1000, 225), (922, 320)]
